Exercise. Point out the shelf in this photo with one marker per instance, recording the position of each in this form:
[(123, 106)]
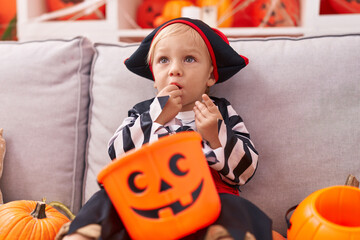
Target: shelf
[(230, 32), (127, 32), (30, 28), (328, 24), (119, 24)]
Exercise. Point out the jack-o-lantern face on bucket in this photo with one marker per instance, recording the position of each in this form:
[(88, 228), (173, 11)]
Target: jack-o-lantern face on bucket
[(184, 195), (163, 189)]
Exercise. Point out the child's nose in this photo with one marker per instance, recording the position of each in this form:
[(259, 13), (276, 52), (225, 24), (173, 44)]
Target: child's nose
[(176, 69)]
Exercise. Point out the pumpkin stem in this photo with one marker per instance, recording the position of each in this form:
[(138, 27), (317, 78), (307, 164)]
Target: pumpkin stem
[(39, 211)]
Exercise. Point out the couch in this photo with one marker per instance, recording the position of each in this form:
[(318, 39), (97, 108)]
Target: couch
[(62, 99)]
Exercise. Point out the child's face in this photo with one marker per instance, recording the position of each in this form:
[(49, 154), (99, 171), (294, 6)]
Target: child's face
[(186, 63)]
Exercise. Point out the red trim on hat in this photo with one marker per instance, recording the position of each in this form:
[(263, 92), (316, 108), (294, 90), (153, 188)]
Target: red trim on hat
[(245, 59), (206, 40)]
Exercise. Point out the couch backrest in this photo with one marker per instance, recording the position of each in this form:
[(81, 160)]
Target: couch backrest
[(44, 96), (299, 98)]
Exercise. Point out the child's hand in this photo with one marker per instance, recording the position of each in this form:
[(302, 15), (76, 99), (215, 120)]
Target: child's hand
[(207, 115), (173, 105)]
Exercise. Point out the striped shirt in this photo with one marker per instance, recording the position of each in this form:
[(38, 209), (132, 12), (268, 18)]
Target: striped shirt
[(236, 159)]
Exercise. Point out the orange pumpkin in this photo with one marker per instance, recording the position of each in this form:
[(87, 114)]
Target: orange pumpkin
[(171, 10), (223, 8), (7, 12), (164, 189), (54, 5), (29, 220), (330, 213), (147, 11), (275, 13)]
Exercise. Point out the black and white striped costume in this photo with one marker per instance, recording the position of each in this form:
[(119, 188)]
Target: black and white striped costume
[(236, 159)]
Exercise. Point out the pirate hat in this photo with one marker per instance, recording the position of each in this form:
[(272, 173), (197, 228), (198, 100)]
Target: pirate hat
[(226, 61)]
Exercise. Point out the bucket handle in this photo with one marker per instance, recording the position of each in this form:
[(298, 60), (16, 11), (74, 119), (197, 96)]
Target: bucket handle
[(287, 219)]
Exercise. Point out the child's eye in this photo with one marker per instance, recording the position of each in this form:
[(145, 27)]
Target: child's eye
[(163, 60), (189, 59)]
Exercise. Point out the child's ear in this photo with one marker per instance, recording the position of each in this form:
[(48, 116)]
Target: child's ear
[(155, 86), (211, 81)]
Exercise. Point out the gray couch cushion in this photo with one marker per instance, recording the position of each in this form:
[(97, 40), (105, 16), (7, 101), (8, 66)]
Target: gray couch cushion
[(44, 109), (114, 90), (299, 98)]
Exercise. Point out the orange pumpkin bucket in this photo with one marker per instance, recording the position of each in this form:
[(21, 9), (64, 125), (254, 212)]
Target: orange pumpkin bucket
[(331, 213), (163, 190)]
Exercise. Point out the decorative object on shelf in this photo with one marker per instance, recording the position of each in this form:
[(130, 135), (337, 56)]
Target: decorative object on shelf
[(242, 13), (330, 213), (223, 7), (30, 220), (345, 6), (164, 188), (326, 8), (7, 16), (90, 13), (10, 32), (147, 11), (171, 10), (275, 13), (223, 13)]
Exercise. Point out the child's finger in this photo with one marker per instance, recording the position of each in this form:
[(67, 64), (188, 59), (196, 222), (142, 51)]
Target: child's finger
[(208, 102), (202, 108), (167, 90), (172, 87), (176, 93), (176, 89), (205, 97), (198, 114)]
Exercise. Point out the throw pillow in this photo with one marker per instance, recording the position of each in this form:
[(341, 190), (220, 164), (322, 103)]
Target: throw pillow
[(46, 118)]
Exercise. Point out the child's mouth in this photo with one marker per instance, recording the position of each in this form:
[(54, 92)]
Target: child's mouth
[(176, 84)]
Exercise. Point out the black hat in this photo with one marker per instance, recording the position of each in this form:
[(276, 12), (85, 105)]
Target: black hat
[(226, 61)]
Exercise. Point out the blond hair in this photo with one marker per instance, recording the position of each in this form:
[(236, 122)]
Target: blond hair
[(174, 30)]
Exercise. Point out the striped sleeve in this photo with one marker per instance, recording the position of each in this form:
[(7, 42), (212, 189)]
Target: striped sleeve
[(138, 128), (236, 160)]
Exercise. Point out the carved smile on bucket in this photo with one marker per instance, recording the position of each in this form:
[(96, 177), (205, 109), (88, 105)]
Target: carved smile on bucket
[(170, 209)]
